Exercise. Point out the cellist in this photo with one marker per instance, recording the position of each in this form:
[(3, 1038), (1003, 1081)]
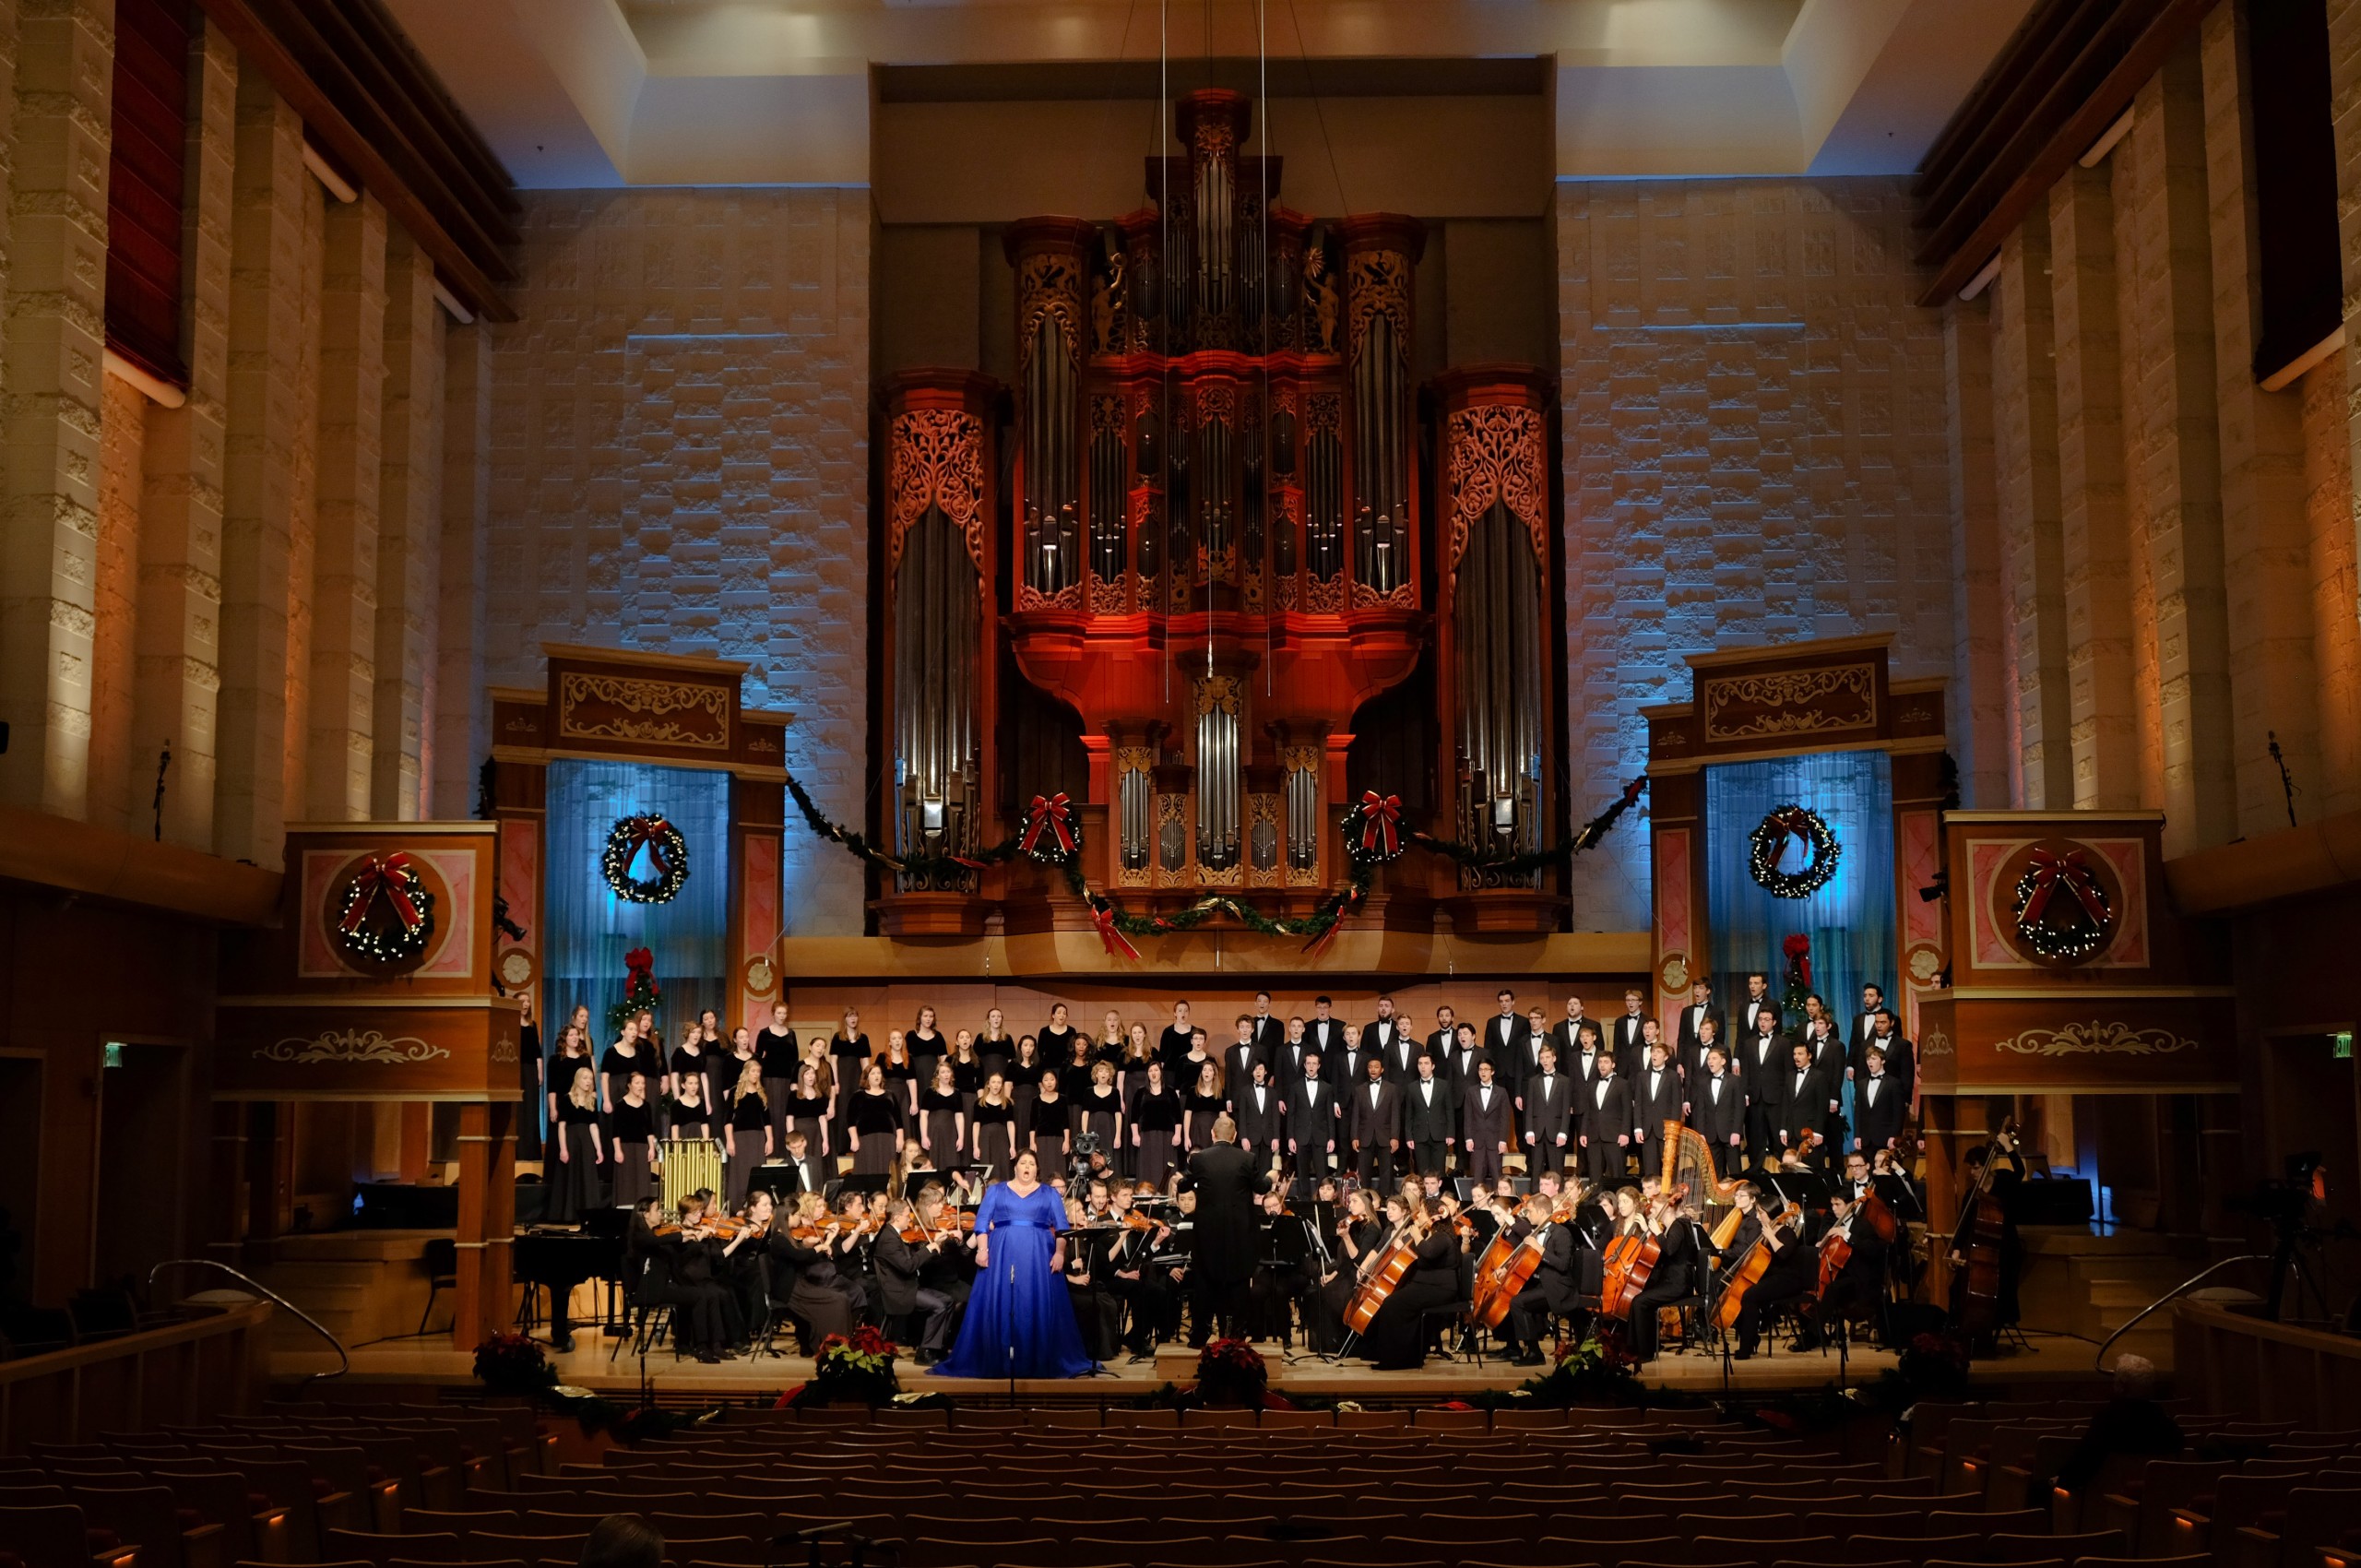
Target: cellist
[(1554, 1289), (1790, 1270), (1857, 1287), (1679, 1253)]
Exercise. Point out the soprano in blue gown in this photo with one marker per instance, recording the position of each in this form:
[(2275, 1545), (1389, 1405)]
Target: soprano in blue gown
[(1019, 1304)]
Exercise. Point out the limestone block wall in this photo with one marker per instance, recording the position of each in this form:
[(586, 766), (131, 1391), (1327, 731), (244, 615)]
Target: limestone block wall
[(679, 461), (1757, 449)]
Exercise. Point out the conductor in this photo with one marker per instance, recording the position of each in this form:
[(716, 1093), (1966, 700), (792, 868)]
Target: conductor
[(1225, 1256)]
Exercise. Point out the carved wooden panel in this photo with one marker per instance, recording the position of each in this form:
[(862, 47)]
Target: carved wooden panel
[(646, 710), (1494, 454), (1827, 702)]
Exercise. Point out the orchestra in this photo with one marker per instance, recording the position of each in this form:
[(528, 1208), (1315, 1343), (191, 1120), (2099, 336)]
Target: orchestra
[(1701, 1199)]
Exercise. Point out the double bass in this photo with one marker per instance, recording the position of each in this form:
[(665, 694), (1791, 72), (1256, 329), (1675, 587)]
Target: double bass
[(1986, 1224)]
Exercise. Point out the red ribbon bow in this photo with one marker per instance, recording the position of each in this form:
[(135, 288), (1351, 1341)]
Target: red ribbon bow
[(2069, 874), (647, 832), (1102, 918), (1381, 819), (1052, 813), (1319, 944), (390, 878), (642, 964)]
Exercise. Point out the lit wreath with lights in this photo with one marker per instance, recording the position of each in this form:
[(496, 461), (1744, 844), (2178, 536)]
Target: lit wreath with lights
[(400, 933), (1770, 838), (2062, 912), (667, 852)]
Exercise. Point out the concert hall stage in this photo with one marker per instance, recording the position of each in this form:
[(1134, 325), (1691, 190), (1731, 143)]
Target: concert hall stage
[(383, 1369)]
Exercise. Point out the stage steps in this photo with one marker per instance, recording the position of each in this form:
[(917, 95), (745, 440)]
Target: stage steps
[(2080, 1281), (362, 1285)]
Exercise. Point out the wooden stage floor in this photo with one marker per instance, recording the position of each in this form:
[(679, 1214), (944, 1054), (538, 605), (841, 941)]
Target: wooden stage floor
[(432, 1361)]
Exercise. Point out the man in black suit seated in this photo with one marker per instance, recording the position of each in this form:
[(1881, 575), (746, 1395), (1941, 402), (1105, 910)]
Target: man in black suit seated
[(901, 1287), (1553, 1291), (802, 1172)]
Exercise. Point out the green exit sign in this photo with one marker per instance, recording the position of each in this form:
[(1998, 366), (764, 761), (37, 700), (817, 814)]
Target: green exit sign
[(2344, 1045)]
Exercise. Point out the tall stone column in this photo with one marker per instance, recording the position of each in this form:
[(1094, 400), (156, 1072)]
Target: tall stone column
[(2095, 550), (177, 681), (269, 278), (1981, 666), (2168, 317), (2344, 98), (344, 583), (458, 716), (56, 339), (408, 531), (2025, 400)]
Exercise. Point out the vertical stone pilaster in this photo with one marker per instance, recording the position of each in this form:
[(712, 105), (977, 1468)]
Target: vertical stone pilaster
[(114, 601), (2169, 339), (344, 597), (2089, 481), (303, 505), (2328, 511), (2024, 401), (2345, 103), (55, 343), (2265, 548), (459, 719), (178, 682), (1979, 715), (408, 536), (267, 283)]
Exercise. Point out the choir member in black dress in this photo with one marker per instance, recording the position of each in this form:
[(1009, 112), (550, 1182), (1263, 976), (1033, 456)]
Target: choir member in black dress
[(1173, 1043), (1205, 1106), (1049, 1127), (691, 1059), (1130, 1062), (634, 1159), (532, 1084), (1112, 1036), (1022, 1071), (1200, 1056), (581, 1151), (781, 1054), (573, 1051), (904, 1077), (1154, 1117), (692, 1116), (927, 1045), (872, 1125), (1058, 1038), (1397, 1340), (1073, 1068), (995, 1047), (746, 1137), (991, 1128), (943, 1117), (804, 1109), (848, 1051), (966, 1067), (630, 1053), (1100, 1111)]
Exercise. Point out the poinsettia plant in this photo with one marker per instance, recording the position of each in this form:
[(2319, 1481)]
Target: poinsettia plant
[(853, 1369), (1231, 1372)]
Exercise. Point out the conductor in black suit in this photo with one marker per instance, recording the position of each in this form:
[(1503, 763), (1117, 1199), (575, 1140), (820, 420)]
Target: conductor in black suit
[(1222, 1261)]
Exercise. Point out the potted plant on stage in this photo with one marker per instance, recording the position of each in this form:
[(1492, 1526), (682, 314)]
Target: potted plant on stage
[(854, 1368)]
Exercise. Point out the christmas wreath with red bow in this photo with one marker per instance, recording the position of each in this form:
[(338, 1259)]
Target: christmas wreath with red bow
[(386, 914), (1769, 841), (1373, 828), (2060, 911), (1052, 836), (665, 850)]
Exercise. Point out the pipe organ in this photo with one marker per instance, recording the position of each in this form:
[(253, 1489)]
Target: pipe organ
[(1218, 518)]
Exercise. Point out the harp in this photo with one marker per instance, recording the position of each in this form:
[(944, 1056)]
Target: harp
[(1690, 1165)]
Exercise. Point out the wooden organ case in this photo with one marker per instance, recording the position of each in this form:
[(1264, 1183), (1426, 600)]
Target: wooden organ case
[(1200, 521)]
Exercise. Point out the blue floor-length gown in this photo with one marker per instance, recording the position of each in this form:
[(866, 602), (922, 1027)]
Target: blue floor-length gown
[(1020, 1318)]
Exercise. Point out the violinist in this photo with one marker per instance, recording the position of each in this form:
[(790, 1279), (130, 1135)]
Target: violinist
[(1286, 1271), (1098, 1311), (1361, 1237), (1397, 1340), (1792, 1270), (805, 1279), (1129, 1276), (1854, 1289), (1555, 1289), (1681, 1253), (904, 1248), (653, 1257)]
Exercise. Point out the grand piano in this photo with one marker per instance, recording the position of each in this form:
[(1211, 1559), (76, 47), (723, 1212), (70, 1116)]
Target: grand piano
[(557, 1259)]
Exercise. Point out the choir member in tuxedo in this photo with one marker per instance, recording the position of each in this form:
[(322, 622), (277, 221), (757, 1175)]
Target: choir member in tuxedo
[(1443, 1043), (1805, 1099), (1289, 1066), (1626, 1040), (1762, 1062), (1688, 1046), (1605, 1127), (1758, 1001), (1484, 1124), (1373, 1123), (1509, 1037), (1547, 1114), (1566, 1033), (1247, 1050), (1270, 1030), (1391, 1043), (1680, 1243), (1430, 1117), (1469, 1054), (1901, 1060), (1173, 1044), (1717, 1109), (1581, 1059), (1828, 1061), (1656, 1098), (1312, 1119), (1865, 1024), (1261, 1113), (1349, 1065), (1879, 1105), (1325, 1033)]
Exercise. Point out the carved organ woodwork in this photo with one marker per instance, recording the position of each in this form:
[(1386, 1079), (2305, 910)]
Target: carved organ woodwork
[(1216, 547)]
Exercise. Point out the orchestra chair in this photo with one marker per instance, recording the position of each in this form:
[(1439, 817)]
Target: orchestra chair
[(442, 1263)]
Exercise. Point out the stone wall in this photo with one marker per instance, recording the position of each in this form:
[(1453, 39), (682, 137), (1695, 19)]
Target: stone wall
[(1756, 451), (680, 462)]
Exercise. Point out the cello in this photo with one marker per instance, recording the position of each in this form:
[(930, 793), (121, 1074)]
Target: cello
[(1385, 1271), (1499, 1279), (1751, 1265)]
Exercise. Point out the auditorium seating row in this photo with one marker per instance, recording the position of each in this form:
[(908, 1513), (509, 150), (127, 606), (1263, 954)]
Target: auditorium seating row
[(481, 1486)]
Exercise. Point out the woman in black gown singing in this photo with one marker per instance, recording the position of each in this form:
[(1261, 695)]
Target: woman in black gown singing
[(581, 1151), (991, 1125), (872, 1126), (1154, 1115), (943, 1117), (747, 1135)]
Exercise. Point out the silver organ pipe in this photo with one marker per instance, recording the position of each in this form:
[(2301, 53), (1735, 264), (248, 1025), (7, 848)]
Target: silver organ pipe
[(1106, 504), (936, 627), (1499, 648), (1052, 411), (1324, 504), (1303, 818), (1218, 784), (1381, 454)]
